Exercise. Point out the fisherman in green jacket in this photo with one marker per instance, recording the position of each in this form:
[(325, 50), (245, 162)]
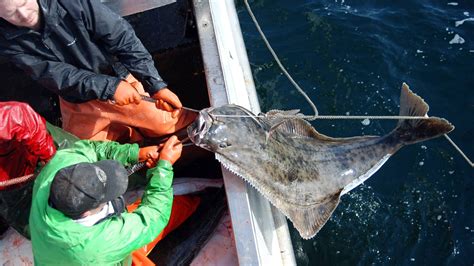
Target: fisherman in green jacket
[(76, 216)]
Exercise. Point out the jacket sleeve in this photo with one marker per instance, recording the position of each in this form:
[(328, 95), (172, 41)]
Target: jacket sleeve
[(71, 83), (20, 123), (127, 154), (122, 235), (119, 38)]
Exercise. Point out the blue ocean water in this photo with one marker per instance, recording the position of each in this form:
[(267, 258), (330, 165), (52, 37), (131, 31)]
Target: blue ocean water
[(351, 57)]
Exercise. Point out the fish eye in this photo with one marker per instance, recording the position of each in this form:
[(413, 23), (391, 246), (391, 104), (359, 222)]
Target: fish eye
[(224, 145), (218, 122), (215, 120)]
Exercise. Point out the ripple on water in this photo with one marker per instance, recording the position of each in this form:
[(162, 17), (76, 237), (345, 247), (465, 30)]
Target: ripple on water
[(409, 211)]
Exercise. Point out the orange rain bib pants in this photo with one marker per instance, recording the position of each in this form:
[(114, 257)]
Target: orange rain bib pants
[(183, 206), (103, 120)]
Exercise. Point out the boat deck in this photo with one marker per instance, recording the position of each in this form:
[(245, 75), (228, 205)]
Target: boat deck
[(199, 51)]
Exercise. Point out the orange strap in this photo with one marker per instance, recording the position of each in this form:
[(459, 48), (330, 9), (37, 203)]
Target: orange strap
[(183, 207)]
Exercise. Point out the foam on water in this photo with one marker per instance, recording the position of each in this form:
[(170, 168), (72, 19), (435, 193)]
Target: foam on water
[(366, 122), (457, 40), (460, 22)]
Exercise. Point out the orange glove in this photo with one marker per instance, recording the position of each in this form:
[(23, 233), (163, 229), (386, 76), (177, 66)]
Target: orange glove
[(149, 154), (168, 101), (134, 82), (171, 150), (126, 94)]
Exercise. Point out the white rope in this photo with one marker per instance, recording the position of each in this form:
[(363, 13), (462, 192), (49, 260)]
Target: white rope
[(333, 117), (459, 150), (316, 116), (281, 65)]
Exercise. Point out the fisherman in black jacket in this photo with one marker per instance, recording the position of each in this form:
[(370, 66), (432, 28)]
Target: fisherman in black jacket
[(88, 55)]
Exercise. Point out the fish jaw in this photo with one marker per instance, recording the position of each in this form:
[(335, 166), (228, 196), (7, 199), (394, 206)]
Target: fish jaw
[(224, 129), (200, 127)]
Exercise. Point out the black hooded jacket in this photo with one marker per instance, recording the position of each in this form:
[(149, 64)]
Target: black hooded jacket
[(82, 51)]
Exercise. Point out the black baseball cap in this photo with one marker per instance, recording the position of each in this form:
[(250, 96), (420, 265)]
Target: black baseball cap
[(84, 186)]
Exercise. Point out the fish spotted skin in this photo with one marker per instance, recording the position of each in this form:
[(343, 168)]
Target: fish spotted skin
[(299, 170)]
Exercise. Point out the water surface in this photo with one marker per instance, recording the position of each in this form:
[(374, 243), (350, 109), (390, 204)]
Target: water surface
[(351, 57)]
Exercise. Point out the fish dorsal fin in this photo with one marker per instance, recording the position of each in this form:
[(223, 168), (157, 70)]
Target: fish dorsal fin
[(308, 220)]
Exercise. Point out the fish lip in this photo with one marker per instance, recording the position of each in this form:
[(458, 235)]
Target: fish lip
[(200, 127), (192, 133)]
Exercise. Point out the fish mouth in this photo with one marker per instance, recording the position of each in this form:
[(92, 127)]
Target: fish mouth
[(199, 128)]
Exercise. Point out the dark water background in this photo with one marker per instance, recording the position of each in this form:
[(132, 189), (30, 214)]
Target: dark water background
[(351, 57)]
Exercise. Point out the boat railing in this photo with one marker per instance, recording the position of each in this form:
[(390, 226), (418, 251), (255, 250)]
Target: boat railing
[(260, 230)]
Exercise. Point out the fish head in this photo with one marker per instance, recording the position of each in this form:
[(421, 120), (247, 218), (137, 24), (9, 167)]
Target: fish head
[(197, 131), (223, 129)]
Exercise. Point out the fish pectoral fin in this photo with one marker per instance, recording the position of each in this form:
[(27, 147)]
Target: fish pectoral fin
[(276, 117), (309, 220), (276, 113), (295, 127), (274, 128), (289, 124)]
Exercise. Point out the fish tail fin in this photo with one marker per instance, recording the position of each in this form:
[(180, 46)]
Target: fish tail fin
[(410, 131)]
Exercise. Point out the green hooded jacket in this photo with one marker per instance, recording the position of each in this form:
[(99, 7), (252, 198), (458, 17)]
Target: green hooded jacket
[(58, 240)]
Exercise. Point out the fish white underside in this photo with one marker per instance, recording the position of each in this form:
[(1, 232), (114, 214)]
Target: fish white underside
[(365, 176)]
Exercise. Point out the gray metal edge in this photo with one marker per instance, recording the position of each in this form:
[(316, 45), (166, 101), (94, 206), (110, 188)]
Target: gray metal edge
[(260, 230), (129, 7)]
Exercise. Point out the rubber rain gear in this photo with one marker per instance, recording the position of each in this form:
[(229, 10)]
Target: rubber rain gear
[(83, 51), (56, 239), (183, 207), (24, 141), (97, 120)]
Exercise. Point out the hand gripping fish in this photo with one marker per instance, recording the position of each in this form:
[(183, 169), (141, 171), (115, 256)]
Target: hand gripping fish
[(299, 170)]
